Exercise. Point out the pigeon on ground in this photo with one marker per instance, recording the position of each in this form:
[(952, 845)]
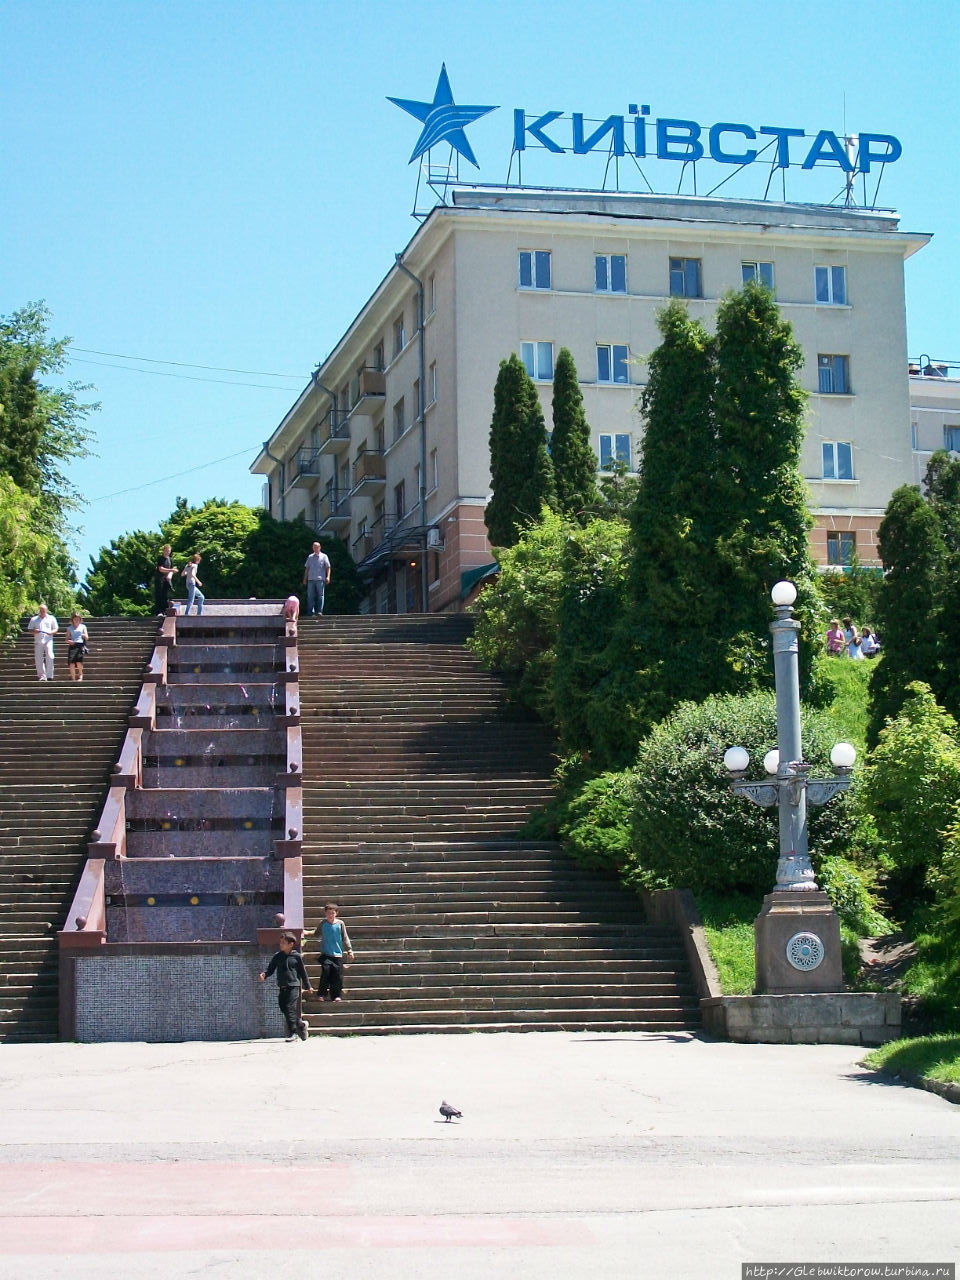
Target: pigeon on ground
[(449, 1112)]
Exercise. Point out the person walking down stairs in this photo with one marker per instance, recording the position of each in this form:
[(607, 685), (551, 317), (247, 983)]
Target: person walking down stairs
[(334, 943), (44, 627)]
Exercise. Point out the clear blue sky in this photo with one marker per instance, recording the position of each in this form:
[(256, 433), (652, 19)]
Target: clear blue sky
[(224, 184)]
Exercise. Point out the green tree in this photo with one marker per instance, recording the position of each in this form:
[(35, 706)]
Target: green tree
[(574, 462), (42, 428), (910, 787), (22, 550), (520, 468), (245, 553), (913, 553), (721, 513)]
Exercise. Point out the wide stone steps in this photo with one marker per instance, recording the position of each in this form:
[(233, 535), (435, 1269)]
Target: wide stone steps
[(58, 744)]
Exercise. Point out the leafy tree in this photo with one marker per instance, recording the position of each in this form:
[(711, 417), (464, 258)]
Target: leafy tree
[(617, 491), (854, 593), (910, 786), (42, 429), (22, 549), (521, 471), (574, 462), (913, 553), (245, 553)]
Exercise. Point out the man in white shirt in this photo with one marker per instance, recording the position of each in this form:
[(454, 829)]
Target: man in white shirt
[(316, 575), (44, 626)]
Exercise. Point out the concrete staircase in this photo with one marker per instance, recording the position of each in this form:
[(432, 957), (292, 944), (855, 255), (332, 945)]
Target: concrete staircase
[(58, 745), (417, 784)]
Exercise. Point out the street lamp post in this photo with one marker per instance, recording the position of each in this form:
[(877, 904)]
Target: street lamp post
[(797, 934)]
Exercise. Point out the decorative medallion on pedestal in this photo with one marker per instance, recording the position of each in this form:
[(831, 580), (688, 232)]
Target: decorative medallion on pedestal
[(804, 951)]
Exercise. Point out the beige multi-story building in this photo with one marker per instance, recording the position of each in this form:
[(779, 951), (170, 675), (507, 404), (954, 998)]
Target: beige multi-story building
[(387, 447)]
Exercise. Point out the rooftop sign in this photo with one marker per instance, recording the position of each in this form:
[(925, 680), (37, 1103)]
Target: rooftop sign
[(638, 137)]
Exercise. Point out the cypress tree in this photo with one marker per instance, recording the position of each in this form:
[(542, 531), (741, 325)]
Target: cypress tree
[(520, 468), (670, 518), (574, 462), (913, 553), (761, 512)]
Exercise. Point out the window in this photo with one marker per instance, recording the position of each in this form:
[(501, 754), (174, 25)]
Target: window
[(762, 272), (951, 438), (399, 337), (612, 364), (378, 361), (841, 548), (685, 278), (343, 487), (538, 360), (914, 436), (610, 272), (432, 294), (399, 416), (417, 400), (837, 460), (432, 383), (400, 500), (433, 474), (831, 285), (534, 269), (614, 449), (833, 375)]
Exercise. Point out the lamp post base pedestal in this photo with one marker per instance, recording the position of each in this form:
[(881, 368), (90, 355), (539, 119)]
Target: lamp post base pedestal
[(797, 944)]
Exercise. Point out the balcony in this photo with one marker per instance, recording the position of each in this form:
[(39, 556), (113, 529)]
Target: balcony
[(362, 545), (304, 467), (333, 511), (369, 471), (370, 391), (334, 433)]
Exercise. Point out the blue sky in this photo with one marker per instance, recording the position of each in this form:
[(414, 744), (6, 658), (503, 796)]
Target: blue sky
[(225, 184)]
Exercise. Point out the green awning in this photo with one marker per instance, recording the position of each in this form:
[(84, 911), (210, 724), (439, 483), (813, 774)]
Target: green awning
[(470, 577)]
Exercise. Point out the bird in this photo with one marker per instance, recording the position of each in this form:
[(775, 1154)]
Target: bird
[(449, 1112)]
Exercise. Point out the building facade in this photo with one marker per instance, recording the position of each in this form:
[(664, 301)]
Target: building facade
[(387, 447)]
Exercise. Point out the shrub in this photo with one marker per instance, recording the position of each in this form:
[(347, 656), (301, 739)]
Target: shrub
[(688, 830), (596, 823)]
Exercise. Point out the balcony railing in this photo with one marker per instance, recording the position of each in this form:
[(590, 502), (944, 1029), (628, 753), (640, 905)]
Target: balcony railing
[(334, 432), (333, 510), (369, 470), (305, 466)]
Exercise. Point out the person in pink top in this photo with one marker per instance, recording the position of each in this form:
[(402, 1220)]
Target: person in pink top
[(835, 639)]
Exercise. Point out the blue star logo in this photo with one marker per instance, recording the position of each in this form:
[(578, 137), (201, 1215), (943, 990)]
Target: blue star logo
[(442, 120)]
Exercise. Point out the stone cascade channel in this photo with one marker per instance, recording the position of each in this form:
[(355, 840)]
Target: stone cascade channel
[(197, 851)]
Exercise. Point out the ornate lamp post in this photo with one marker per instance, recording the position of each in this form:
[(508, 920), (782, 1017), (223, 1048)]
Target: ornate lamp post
[(797, 934)]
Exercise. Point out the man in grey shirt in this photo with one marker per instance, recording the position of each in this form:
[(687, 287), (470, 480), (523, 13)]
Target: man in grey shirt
[(316, 575)]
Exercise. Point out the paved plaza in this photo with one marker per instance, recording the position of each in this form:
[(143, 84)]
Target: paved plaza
[(652, 1156)]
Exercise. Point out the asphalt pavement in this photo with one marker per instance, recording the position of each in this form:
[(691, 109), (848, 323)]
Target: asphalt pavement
[(654, 1156)]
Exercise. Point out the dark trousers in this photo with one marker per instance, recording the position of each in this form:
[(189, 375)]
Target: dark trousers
[(331, 977), (289, 1001)]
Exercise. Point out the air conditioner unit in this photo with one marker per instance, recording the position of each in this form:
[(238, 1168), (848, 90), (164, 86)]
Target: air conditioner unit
[(434, 539)]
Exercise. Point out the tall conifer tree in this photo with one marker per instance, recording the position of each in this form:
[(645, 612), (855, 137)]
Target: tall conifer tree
[(520, 467), (574, 462)]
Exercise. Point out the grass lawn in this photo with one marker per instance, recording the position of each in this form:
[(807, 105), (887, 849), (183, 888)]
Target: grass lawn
[(930, 1057), (728, 923), (849, 705)]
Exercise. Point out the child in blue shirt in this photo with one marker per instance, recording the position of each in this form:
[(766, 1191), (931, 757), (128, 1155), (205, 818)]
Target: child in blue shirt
[(334, 943)]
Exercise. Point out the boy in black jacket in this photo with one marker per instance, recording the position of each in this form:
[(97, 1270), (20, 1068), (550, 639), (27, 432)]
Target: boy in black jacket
[(291, 975)]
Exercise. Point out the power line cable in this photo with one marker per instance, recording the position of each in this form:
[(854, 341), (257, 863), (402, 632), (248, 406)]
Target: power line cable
[(163, 373), (176, 476), (183, 364)]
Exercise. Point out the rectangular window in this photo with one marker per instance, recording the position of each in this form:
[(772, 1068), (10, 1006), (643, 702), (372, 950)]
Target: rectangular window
[(538, 360), (399, 416), (833, 375), (831, 285), (378, 361), (610, 272), (534, 269), (399, 337), (432, 383), (614, 448), (685, 278), (400, 500), (417, 401), (432, 294), (951, 438), (762, 272), (837, 460), (914, 436), (612, 364), (841, 548), (433, 472)]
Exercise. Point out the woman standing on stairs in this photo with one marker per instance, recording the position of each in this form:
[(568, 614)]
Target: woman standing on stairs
[(77, 638)]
